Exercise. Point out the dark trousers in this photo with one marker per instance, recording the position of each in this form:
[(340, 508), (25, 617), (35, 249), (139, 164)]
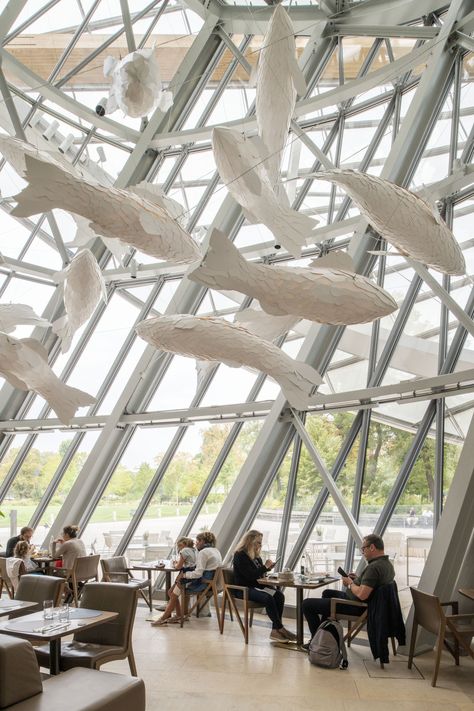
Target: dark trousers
[(317, 609), (273, 604)]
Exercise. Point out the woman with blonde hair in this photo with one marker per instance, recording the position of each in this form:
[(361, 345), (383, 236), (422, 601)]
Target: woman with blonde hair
[(185, 563), (207, 561), (248, 568)]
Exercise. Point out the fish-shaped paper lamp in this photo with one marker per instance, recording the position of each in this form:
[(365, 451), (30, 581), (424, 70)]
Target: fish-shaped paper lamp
[(279, 80), (319, 293), (84, 286), (85, 235), (403, 218), (240, 162), (13, 315), (218, 340), (112, 212), (24, 363), (136, 84)]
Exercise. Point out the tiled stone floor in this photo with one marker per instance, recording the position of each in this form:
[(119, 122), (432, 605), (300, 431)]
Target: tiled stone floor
[(197, 669)]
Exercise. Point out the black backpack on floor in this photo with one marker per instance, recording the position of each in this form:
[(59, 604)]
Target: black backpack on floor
[(327, 648)]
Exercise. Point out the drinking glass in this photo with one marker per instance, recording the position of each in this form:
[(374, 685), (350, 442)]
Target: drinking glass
[(48, 609), (64, 612)]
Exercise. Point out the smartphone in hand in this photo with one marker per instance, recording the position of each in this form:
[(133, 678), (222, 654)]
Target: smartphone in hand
[(342, 572)]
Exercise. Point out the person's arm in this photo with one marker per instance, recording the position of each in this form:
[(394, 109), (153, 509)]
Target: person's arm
[(200, 566), (179, 563), (361, 592)]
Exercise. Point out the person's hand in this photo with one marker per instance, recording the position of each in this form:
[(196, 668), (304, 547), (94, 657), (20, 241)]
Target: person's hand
[(347, 581), (352, 576), (269, 564)]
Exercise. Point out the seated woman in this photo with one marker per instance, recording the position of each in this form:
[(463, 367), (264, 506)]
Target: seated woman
[(185, 563), (248, 568), (207, 561), (69, 546)]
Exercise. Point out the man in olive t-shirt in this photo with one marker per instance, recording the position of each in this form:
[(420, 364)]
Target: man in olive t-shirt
[(379, 571)]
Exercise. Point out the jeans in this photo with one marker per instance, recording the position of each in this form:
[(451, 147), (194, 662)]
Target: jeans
[(273, 604), (317, 609)]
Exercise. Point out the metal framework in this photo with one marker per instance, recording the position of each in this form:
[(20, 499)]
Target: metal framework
[(390, 91)]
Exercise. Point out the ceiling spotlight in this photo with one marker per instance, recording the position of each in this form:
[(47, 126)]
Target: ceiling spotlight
[(101, 154), (51, 130), (66, 144), (101, 107)]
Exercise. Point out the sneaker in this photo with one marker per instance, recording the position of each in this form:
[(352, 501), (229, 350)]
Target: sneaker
[(289, 635), (277, 636)]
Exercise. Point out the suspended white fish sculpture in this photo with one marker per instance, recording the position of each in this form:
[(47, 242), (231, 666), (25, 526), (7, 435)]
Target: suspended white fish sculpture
[(83, 287), (136, 84), (153, 193), (404, 219), (24, 363), (240, 162), (323, 294), (114, 213), (279, 80), (264, 325), (13, 315), (209, 338), (85, 235)]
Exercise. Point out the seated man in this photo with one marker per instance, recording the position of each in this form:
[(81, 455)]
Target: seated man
[(379, 571), (26, 534)]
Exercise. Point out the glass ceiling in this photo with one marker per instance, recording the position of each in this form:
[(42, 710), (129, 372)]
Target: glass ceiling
[(368, 85)]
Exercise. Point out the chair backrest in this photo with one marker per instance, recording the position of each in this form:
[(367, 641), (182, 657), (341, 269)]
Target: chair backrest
[(428, 611), (15, 569), (228, 576), (85, 567), (115, 569), (111, 597), (4, 573), (38, 588)]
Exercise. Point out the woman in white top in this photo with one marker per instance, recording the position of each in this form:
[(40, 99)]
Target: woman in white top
[(70, 546), (185, 563)]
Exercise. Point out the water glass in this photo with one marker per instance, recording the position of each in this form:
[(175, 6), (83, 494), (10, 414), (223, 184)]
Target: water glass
[(48, 609), (63, 614)]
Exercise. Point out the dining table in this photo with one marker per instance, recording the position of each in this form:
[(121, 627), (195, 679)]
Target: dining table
[(35, 628), (45, 561), (9, 606), (300, 584), (165, 566)]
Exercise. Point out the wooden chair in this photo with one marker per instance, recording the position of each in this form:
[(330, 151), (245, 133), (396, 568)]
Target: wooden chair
[(450, 630), (248, 606), (5, 579), (84, 569), (382, 615), (115, 570), (107, 642), (339, 612), (202, 598)]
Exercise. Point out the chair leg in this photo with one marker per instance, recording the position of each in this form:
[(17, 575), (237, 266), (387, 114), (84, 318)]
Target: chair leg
[(414, 630), (131, 663), (349, 628), (251, 617), (394, 649), (246, 622), (440, 645), (224, 605)]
